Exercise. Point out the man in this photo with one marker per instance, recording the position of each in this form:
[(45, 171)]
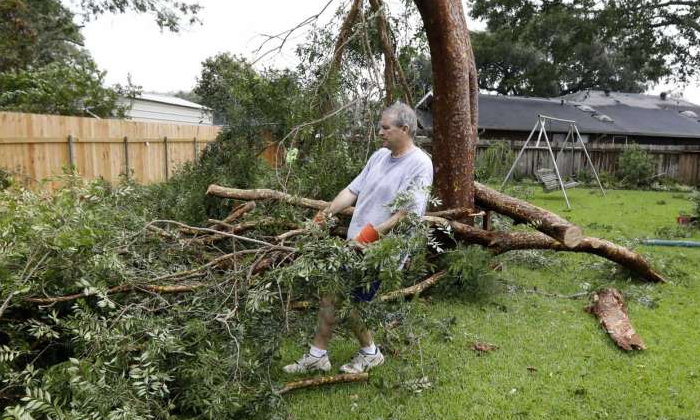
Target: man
[(398, 167)]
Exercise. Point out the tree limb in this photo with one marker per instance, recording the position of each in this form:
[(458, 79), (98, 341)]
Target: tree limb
[(324, 380)]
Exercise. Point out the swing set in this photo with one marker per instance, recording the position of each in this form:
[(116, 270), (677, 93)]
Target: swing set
[(550, 181)]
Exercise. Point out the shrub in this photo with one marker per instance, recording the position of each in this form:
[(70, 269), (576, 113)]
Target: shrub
[(494, 162), (469, 273), (5, 179), (635, 167)]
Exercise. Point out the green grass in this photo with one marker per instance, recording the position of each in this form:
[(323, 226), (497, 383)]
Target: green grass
[(578, 371)]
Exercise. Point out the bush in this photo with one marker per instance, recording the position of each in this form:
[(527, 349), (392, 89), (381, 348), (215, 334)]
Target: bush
[(229, 161), (494, 162), (635, 168), (469, 273), (5, 179)]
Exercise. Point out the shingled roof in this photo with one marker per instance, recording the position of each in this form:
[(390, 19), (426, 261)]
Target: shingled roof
[(595, 112)]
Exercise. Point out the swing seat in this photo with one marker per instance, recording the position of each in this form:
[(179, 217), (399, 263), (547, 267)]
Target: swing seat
[(549, 180)]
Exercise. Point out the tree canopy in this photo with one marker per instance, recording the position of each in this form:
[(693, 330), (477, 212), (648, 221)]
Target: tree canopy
[(554, 47)]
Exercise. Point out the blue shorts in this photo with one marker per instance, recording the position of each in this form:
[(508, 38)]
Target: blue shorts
[(366, 294)]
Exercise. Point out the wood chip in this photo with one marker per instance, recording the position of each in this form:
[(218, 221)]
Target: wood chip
[(483, 348)]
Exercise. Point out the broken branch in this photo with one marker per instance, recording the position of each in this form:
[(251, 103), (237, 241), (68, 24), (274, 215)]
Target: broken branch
[(414, 290), (324, 380), (120, 289)]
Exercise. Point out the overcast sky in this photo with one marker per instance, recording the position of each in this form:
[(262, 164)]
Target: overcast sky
[(164, 61)]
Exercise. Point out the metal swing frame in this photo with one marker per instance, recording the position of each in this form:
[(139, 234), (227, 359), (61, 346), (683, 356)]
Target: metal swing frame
[(572, 134)]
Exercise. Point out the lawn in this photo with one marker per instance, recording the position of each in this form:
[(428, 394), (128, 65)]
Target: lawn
[(553, 360)]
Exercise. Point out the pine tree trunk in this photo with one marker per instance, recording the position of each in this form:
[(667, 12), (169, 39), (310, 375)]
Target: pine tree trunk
[(454, 101)]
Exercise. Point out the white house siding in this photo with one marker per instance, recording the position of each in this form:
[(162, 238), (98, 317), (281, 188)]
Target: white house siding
[(142, 110)]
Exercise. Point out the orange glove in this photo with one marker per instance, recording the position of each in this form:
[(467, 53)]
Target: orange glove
[(367, 235), (320, 218)]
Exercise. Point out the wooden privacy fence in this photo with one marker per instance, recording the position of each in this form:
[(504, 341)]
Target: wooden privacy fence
[(36, 147), (681, 163)]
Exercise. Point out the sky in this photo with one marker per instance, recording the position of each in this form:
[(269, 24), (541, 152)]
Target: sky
[(162, 61)]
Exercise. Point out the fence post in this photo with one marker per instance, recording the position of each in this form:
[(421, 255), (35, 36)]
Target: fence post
[(196, 149), (71, 152), (126, 156), (167, 169)]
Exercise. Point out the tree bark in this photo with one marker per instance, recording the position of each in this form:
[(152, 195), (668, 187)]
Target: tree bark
[(383, 32), (454, 101), (500, 242), (344, 34), (523, 212), (609, 306)]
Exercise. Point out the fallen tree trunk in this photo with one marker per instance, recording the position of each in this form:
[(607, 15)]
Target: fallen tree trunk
[(523, 212), (609, 306), (324, 380), (500, 242)]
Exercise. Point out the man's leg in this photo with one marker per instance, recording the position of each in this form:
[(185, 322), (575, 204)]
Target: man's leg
[(369, 355), (326, 322), (317, 357), (359, 329)]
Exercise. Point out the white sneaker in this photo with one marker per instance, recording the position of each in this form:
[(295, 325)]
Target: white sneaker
[(309, 363), (363, 362)]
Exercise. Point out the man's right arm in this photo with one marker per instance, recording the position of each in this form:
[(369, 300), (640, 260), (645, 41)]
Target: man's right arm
[(343, 200)]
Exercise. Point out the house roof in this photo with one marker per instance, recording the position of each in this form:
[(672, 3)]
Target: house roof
[(170, 100), (594, 113)]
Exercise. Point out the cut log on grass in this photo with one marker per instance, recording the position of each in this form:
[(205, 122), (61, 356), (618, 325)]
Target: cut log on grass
[(523, 212), (324, 380), (609, 306), (500, 242)]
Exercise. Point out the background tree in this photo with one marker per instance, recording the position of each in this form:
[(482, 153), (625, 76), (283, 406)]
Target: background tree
[(552, 48), (168, 14), (36, 33), (73, 88), (43, 65)]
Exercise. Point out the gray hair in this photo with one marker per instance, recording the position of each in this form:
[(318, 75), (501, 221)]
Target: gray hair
[(403, 115)]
